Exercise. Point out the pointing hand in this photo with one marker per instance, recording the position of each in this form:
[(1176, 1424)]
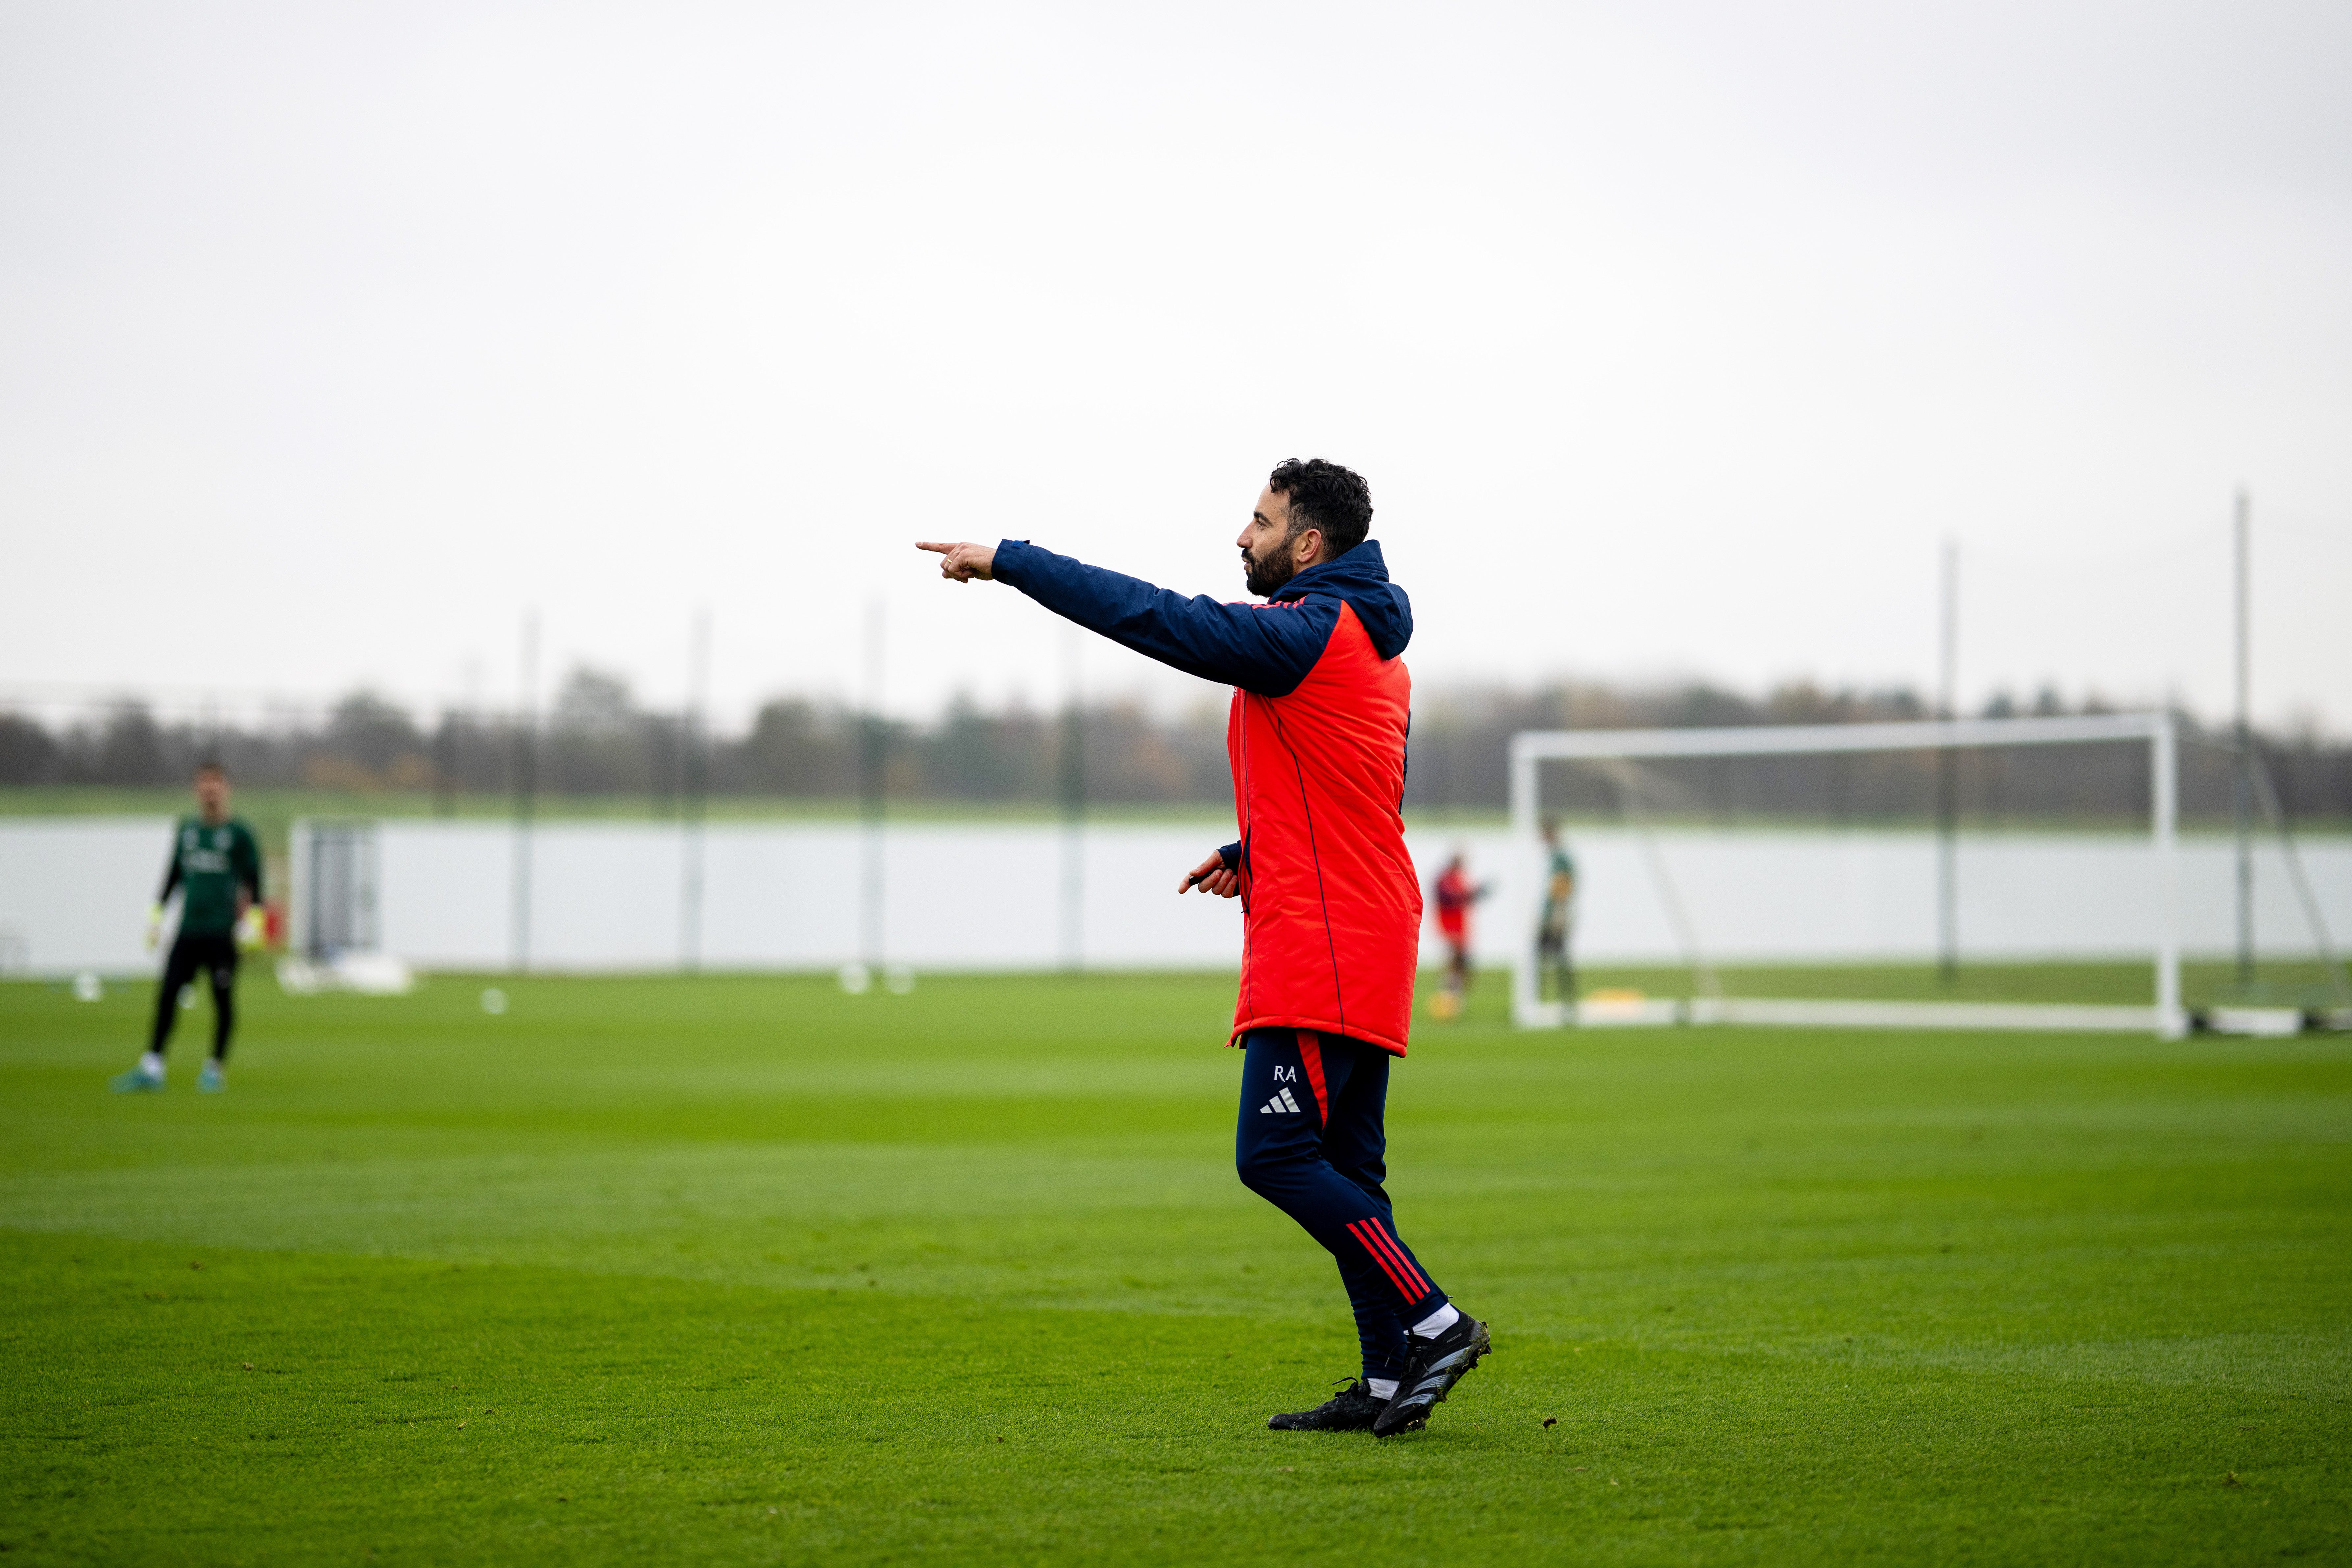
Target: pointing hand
[(963, 562)]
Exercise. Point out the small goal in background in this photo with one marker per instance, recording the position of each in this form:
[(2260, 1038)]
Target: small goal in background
[(1965, 874)]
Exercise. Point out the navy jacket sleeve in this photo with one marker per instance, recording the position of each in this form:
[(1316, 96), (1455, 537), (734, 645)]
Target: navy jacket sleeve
[(1265, 648)]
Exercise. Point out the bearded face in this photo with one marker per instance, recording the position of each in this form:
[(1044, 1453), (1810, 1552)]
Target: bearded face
[(1267, 573)]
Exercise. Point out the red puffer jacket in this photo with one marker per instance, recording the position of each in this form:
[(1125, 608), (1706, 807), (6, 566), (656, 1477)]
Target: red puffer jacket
[(1316, 739), (1331, 903)]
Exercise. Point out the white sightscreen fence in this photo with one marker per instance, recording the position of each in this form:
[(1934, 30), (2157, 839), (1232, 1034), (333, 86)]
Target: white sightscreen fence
[(441, 894), (1861, 896)]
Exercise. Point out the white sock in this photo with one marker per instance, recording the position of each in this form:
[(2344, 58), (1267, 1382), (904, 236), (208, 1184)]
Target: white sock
[(1437, 1322), (1382, 1387), (152, 1065)]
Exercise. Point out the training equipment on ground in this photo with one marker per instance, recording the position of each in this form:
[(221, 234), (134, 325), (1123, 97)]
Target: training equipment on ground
[(1435, 1367), (369, 973), (1842, 844), (1353, 1409)]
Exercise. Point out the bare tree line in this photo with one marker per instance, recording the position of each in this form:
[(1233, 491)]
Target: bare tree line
[(598, 739)]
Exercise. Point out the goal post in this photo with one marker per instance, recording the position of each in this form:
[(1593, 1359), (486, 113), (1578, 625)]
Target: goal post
[(2166, 1017)]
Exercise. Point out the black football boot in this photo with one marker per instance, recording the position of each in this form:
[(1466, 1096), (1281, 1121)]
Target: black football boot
[(1352, 1409), (1433, 1367)]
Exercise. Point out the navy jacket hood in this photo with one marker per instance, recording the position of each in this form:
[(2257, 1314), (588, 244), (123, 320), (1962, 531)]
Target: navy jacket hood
[(1362, 578)]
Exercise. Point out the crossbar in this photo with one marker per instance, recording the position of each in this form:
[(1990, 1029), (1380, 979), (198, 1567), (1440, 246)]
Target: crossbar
[(1780, 739)]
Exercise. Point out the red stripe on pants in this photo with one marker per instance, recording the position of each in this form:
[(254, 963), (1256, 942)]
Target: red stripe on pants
[(1310, 1052), (1413, 1275), (1403, 1290)]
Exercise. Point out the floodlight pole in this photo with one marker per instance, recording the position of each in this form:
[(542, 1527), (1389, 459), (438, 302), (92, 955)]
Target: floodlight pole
[(1948, 762), (2242, 793)]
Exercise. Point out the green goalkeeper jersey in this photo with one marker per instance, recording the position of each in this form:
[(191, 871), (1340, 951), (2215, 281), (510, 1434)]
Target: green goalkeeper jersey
[(210, 861), (1559, 890)]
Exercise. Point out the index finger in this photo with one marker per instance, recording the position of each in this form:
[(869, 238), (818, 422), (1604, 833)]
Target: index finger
[(933, 545)]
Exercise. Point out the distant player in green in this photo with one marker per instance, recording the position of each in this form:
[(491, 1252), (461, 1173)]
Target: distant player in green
[(216, 870), (1559, 919)]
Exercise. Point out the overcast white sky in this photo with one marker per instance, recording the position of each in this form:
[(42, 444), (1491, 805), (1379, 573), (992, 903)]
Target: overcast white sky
[(1674, 338)]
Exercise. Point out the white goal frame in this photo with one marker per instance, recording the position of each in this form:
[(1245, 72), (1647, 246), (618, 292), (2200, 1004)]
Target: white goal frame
[(2167, 1018)]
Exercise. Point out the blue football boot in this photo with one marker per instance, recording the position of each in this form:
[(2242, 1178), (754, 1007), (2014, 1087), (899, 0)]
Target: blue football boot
[(139, 1081)]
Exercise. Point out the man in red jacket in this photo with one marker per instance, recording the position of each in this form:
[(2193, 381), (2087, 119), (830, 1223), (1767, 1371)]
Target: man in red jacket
[(1330, 902)]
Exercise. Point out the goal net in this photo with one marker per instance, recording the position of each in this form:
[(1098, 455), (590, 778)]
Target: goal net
[(2027, 873)]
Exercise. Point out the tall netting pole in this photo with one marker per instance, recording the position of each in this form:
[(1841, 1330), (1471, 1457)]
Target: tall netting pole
[(2164, 790), (693, 796), (526, 790), (2242, 792), (1073, 780), (1947, 780), (872, 761), (1525, 1008)]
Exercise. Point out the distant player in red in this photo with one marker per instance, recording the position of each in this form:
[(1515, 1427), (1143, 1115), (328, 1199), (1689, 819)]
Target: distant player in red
[(1454, 897)]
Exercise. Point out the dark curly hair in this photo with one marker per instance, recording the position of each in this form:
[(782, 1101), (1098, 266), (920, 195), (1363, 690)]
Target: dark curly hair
[(1325, 495)]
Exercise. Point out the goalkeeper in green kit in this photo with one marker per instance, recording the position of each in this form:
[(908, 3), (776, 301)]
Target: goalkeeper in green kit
[(216, 870)]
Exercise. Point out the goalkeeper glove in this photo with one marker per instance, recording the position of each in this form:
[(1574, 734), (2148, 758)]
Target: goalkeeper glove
[(253, 929), (155, 925)]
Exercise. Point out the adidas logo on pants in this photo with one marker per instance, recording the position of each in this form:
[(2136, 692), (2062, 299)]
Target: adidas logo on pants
[(1279, 1104)]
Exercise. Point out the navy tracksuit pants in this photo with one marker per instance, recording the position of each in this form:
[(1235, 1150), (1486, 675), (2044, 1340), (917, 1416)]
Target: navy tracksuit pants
[(1313, 1143)]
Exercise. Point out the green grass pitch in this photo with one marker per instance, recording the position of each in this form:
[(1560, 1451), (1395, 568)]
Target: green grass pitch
[(747, 1270)]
